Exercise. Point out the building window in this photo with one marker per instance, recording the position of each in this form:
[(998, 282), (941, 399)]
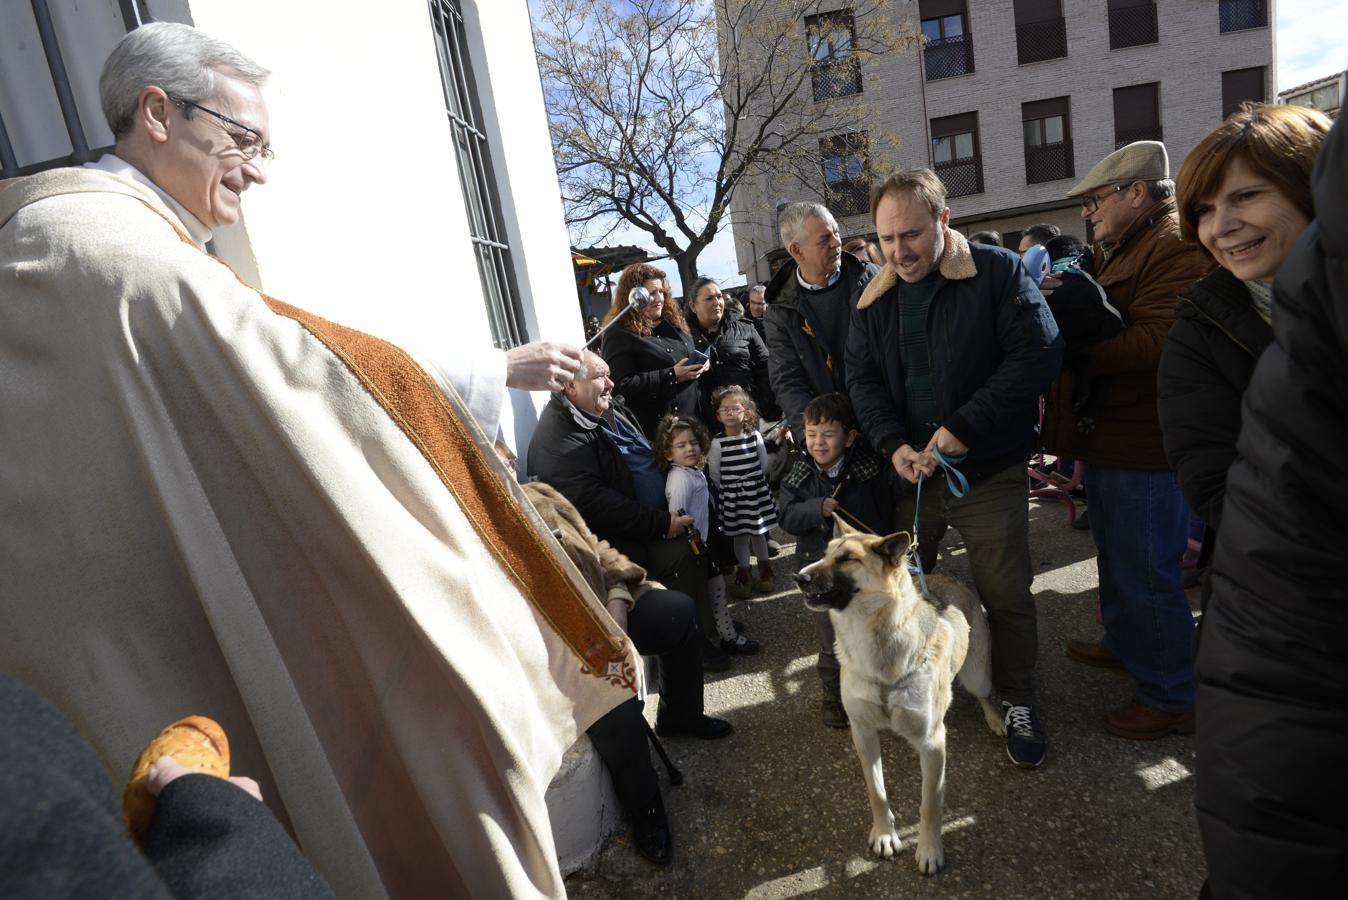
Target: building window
[(1132, 23), (948, 47), (1137, 114), (1041, 31), (834, 68), (1238, 15), (847, 174), (955, 154), (473, 152), (1048, 140), (1240, 85)]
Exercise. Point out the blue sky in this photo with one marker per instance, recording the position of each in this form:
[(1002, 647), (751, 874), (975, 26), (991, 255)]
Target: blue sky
[(1312, 41)]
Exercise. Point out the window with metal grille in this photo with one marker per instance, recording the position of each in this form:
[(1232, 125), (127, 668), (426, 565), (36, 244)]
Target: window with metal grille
[(1048, 140), (834, 68), (1132, 23), (1041, 31), (847, 176), (472, 150), (1137, 113), (948, 47), (1239, 85), (1238, 15), (955, 154)]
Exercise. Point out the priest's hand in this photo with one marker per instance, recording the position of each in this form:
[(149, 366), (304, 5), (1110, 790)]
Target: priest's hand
[(541, 366)]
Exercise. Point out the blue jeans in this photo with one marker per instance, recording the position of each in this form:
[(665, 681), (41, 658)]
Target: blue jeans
[(1140, 523)]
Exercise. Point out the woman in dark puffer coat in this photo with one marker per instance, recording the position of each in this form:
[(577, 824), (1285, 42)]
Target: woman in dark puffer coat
[(1272, 781), (1247, 181), (738, 354), (647, 352)]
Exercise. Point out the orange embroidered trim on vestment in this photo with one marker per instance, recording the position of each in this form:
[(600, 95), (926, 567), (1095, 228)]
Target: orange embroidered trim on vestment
[(433, 425)]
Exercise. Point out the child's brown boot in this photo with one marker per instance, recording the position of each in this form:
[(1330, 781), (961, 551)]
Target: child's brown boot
[(764, 583), (741, 589)]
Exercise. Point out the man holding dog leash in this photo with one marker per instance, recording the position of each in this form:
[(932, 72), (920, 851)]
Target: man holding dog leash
[(949, 348)]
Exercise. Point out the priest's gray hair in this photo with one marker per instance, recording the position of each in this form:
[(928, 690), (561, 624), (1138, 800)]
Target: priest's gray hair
[(176, 58), (791, 222)]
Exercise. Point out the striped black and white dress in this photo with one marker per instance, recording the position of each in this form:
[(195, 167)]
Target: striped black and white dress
[(737, 466)]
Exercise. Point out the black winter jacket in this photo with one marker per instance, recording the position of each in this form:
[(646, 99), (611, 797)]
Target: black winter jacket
[(642, 369), (1206, 365), (869, 493), (796, 359), (994, 349), (738, 356), (579, 459), (1273, 646)]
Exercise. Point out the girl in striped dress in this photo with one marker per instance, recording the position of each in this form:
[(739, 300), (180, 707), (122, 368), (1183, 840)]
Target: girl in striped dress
[(738, 467)]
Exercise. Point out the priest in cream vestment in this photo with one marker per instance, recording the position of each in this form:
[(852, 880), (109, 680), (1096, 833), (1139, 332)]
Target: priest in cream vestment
[(214, 503)]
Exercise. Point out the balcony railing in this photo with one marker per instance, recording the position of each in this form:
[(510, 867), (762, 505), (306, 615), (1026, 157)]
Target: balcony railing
[(949, 56), (962, 178), (1132, 26), (1146, 133), (836, 78), (1038, 41), (1238, 15), (1048, 163)]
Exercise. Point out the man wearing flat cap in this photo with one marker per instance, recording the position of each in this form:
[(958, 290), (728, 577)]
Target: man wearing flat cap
[(1138, 519)]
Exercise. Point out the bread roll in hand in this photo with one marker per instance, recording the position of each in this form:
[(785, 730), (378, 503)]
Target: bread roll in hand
[(196, 742)]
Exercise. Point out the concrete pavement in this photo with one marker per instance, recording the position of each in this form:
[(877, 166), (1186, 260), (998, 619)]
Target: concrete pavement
[(779, 809)]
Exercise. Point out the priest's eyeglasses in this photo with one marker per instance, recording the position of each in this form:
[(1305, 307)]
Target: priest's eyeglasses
[(249, 142)]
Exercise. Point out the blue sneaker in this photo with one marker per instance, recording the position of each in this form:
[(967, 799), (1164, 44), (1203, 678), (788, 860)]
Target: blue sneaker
[(1026, 743)]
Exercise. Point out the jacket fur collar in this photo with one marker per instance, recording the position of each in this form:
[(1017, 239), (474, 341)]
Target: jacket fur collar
[(957, 263)]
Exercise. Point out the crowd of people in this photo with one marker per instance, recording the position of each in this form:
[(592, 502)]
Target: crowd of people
[(230, 505)]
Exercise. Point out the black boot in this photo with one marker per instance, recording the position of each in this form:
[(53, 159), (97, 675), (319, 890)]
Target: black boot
[(650, 832)]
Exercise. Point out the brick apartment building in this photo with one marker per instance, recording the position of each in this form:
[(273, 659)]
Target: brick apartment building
[(1012, 101)]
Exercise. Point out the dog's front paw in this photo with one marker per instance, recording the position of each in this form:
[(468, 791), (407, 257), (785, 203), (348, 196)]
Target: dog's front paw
[(930, 857), (885, 840)]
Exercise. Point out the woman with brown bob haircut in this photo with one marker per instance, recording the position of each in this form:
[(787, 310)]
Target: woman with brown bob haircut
[(647, 351), (1244, 194)]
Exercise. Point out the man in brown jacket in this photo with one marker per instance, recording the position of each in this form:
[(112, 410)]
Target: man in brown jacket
[(1138, 519)]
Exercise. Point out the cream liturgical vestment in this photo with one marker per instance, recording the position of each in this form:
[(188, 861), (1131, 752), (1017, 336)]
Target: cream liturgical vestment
[(213, 503)]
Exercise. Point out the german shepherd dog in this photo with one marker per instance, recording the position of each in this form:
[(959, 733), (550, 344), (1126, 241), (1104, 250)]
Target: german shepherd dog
[(900, 652)]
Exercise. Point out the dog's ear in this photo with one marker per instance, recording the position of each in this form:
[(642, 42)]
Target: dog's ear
[(895, 547), (840, 528)]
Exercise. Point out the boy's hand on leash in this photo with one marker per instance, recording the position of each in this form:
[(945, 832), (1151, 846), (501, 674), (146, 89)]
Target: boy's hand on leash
[(828, 506), (909, 463)]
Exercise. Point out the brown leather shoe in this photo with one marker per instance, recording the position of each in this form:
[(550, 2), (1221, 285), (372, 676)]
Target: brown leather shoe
[(1140, 722), (1090, 653)]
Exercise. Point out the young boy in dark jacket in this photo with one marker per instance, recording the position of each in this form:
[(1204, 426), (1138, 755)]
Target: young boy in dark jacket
[(843, 478)]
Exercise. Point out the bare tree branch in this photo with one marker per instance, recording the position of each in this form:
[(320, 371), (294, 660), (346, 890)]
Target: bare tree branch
[(661, 110)]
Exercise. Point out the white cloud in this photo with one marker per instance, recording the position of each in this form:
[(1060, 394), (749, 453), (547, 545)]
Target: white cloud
[(1312, 40)]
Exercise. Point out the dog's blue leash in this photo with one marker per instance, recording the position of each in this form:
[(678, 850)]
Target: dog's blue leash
[(959, 486)]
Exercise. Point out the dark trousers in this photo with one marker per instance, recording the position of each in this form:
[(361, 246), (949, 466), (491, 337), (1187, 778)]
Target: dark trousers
[(673, 563), (829, 671), (993, 519), (662, 624)]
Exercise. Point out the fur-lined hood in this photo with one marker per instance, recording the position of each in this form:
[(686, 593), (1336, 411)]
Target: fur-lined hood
[(957, 263)]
